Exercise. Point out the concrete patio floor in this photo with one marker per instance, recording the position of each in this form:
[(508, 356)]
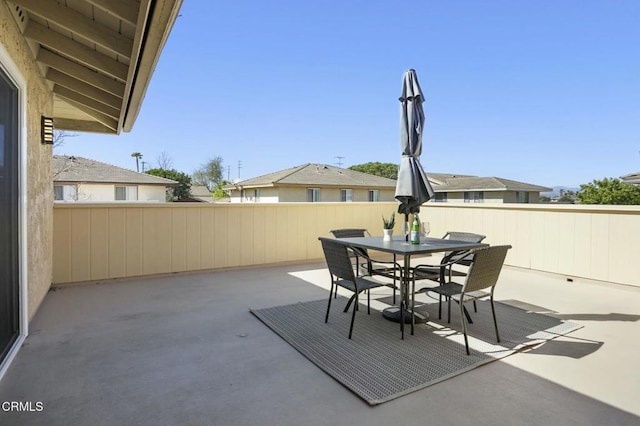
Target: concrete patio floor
[(185, 350)]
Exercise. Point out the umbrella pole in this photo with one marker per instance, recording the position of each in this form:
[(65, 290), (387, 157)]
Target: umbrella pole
[(406, 227)]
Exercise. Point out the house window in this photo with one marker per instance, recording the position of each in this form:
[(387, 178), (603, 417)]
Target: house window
[(346, 195), (126, 193), (441, 197), (474, 197), (65, 192), (256, 195), (374, 195), (522, 197), (313, 195)]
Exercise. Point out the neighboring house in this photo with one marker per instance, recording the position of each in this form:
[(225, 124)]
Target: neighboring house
[(313, 183), (319, 182), (86, 66), (473, 189), (201, 193), (80, 179), (632, 178)]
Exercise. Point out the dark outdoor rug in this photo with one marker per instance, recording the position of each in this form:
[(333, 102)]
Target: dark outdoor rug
[(378, 366)]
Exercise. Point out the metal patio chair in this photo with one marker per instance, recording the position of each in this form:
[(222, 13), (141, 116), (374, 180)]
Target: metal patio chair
[(460, 258), (486, 264), (343, 275), (370, 266)]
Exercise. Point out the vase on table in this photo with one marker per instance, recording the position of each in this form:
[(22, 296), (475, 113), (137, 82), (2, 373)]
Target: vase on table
[(387, 234)]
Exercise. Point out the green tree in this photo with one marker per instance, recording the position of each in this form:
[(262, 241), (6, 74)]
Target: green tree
[(176, 193), (567, 197), (218, 192), (209, 174), (387, 170), (609, 191), (137, 156)]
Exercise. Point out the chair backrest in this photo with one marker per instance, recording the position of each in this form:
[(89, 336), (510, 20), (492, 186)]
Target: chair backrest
[(337, 257), (486, 267), (350, 233), (469, 237), (464, 236)]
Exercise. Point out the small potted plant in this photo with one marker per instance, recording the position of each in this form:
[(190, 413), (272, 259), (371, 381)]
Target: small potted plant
[(388, 225)]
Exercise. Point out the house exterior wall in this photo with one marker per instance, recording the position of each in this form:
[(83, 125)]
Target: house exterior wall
[(267, 195), (39, 191), (100, 192), (494, 197), (489, 197), (297, 194)]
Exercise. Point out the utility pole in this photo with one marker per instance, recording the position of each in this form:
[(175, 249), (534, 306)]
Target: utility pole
[(143, 164), (239, 167), (229, 173), (339, 162)]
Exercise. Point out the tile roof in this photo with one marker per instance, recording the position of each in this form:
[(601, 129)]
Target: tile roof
[(78, 169), (325, 175), (485, 184), (631, 178), (440, 178), (317, 174)]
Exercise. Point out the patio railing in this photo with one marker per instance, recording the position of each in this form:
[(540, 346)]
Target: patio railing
[(94, 242)]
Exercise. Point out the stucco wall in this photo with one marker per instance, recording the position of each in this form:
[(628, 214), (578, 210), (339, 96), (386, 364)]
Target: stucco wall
[(95, 192), (297, 194), (39, 189)]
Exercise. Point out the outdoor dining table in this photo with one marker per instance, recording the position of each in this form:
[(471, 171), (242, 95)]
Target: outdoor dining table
[(398, 246)]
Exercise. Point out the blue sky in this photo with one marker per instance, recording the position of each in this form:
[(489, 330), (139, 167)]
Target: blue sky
[(544, 92)]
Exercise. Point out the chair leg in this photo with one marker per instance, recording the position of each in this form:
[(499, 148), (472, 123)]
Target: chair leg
[(369, 302), (449, 310), (413, 305), (326, 317), (495, 322), (440, 307), (466, 314), (351, 299), (464, 328), (475, 308), (353, 316)]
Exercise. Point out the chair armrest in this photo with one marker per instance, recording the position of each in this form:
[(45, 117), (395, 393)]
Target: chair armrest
[(448, 264), (370, 260)]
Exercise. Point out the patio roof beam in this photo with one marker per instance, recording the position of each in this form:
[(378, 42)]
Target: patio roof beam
[(83, 88), (81, 72), (126, 10), (80, 25), (76, 51), (88, 102), (105, 119), (81, 126)]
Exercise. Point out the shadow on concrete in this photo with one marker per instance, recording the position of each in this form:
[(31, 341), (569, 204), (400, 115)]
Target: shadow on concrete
[(575, 350), (614, 316)]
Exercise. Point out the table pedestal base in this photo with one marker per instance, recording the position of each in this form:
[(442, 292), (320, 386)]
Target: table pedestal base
[(393, 314)]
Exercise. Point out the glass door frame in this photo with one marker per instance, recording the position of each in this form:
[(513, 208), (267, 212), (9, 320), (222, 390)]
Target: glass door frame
[(13, 73)]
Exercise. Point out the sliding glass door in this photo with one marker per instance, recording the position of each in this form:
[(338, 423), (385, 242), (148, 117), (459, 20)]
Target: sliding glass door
[(9, 266)]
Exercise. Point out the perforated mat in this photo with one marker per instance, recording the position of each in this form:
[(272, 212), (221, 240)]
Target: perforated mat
[(378, 366)]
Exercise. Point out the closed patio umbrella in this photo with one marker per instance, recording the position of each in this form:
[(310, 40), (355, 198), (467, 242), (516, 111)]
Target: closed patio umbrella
[(412, 187)]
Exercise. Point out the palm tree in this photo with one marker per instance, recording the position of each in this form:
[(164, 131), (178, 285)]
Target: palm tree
[(138, 157)]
